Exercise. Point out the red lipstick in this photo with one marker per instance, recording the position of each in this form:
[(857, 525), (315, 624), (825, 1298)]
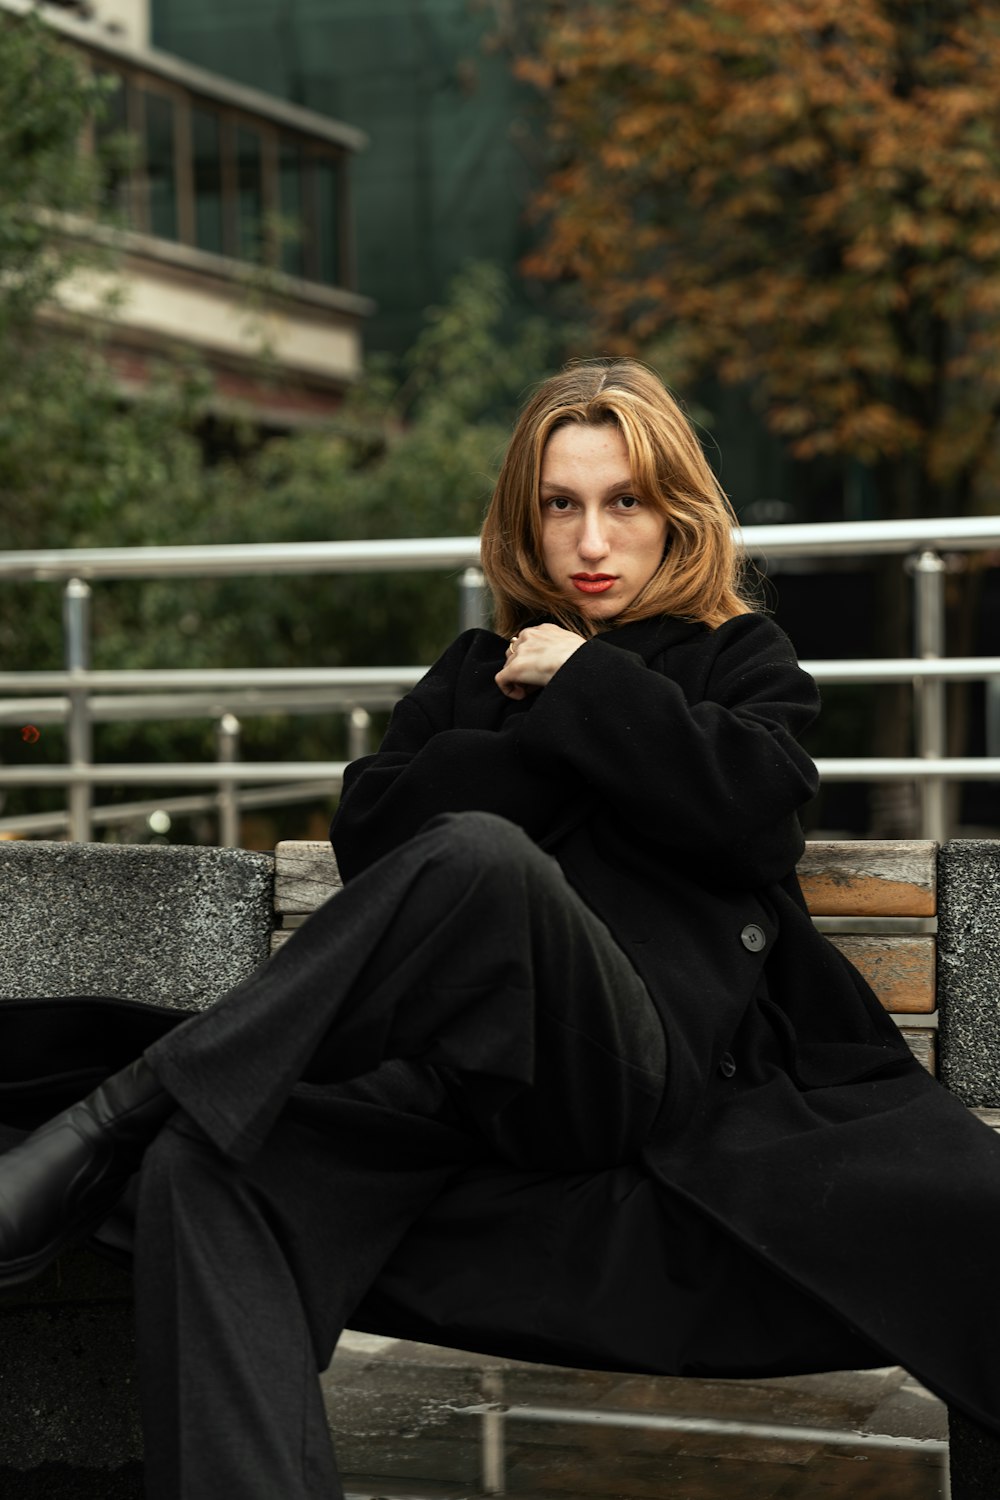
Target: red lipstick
[(592, 583)]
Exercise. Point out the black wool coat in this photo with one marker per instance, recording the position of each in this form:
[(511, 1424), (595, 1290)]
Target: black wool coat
[(805, 1173), (806, 1179)]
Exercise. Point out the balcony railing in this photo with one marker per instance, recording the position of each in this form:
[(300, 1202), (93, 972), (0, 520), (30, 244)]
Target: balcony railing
[(215, 165), (80, 697)]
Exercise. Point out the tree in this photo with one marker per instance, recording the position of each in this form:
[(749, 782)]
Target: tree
[(47, 98), (77, 466), (412, 452), (799, 197), (72, 457)]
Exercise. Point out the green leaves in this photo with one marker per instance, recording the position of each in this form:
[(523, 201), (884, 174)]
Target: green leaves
[(411, 452), (46, 99)]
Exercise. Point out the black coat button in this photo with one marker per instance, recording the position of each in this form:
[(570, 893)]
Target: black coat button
[(727, 1065), (753, 937)]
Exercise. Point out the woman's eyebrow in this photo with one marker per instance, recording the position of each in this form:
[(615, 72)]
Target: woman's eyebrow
[(628, 483)]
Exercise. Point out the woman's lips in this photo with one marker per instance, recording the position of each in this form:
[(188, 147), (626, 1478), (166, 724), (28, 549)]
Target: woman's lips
[(592, 583)]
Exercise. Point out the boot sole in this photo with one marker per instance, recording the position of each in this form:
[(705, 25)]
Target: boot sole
[(15, 1272)]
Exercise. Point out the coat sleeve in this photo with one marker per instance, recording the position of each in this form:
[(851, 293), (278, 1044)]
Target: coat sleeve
[(427, 765), (717, 781)]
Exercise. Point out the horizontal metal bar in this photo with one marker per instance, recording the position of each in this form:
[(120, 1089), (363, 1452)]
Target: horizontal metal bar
[(709, 1426), (906, 669), (387, 1491), (879, 926), (206, 679), (926, 1020), (116, 709), (817, 539), (858, 538), (411, 554), (169, 773), (33, 710), (174, 773), (108, 815), (873, 768), (205, 693)]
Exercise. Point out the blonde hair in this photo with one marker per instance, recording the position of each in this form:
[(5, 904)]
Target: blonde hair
[(701, 575)]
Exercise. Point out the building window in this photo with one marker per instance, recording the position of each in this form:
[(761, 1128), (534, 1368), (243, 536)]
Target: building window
[(181, 167), (291, 218), (206, 179), (115, 147), (250, 194), (327, 220), (161, 166)]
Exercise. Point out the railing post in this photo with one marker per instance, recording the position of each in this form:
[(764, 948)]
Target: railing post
[(472, 600), (993, 716), (359, 725), (79, 736), (929, 580), (492, 1437), (228, 752)]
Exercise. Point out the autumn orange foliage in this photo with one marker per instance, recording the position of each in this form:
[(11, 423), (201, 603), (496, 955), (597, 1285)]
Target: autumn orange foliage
[(802, 196)]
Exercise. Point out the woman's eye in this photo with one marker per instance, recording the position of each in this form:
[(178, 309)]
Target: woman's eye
[(629, 502), (558, 502)]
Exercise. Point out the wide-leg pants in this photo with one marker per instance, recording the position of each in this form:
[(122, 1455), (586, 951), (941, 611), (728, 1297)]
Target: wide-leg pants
[(456, 1003)]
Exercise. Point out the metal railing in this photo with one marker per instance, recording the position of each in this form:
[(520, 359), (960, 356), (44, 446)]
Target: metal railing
[(81, 697), (496, 1412)]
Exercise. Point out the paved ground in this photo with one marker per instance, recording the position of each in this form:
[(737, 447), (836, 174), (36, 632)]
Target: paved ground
[(401, 1433)]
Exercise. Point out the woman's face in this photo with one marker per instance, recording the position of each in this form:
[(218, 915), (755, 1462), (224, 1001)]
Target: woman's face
[(601, 543)]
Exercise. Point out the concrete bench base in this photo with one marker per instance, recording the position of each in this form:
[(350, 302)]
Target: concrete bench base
[(63, 1482), (67, 1385), (170, 924), (975, 1459)]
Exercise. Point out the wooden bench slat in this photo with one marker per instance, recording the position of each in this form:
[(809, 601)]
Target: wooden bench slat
[(923, 1045), (870, 877), (867, 878), (305, 875), (899, 969)]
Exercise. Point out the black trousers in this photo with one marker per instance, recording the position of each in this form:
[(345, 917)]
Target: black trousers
[(456, 1003)]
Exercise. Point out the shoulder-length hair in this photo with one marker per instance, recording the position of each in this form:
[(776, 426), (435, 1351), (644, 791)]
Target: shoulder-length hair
[(701, 575)]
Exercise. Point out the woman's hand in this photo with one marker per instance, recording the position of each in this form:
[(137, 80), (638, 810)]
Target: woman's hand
[(534, 656)]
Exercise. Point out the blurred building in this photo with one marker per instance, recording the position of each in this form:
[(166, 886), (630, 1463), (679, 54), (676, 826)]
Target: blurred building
[(235, 215), (453, 151)]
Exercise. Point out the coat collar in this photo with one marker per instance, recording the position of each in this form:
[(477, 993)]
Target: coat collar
[(648, 638)]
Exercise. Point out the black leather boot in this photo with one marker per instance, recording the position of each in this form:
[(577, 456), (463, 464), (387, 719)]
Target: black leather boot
[(56, 1185)]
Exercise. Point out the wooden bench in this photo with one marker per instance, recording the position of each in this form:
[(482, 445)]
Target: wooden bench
[(877, 901)]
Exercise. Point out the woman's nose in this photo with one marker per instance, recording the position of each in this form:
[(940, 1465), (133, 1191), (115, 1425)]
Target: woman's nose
[(593, 542)]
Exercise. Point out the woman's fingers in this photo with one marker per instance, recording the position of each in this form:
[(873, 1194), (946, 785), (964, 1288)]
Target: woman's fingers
[(534, 656), (512, 689)]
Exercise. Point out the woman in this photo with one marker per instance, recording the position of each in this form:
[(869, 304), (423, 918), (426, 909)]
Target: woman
[(565, 1072)]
